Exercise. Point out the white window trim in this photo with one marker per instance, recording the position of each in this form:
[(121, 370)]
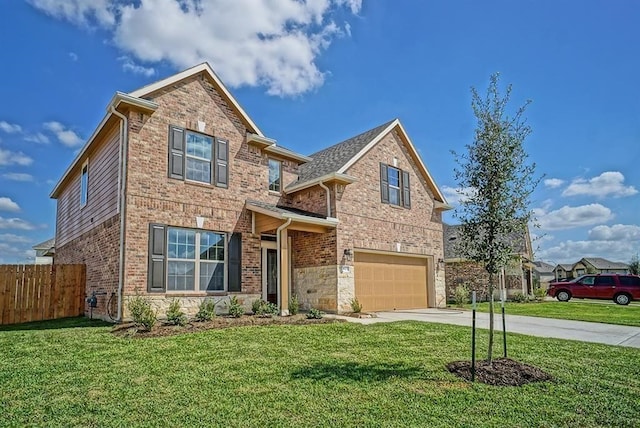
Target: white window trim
[(84, 190), (279, 191), (197, 261), (187, 156)]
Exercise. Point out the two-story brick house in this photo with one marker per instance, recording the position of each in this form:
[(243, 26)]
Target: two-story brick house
[(178, 194)]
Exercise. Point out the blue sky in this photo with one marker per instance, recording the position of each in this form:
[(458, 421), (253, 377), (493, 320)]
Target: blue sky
[(313, 73)]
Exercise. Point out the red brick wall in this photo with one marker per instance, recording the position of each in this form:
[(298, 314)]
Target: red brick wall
[(313, 249), (476, 278), (98, 249), (367, 223)]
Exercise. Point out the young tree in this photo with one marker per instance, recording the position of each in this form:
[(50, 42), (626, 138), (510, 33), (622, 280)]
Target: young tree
[(496, 182)]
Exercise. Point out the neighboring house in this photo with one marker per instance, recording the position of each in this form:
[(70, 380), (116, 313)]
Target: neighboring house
[(45, 252), (516, 277), (563, 272), (600, 265), (179, 194), (589, 265), (543, 274)]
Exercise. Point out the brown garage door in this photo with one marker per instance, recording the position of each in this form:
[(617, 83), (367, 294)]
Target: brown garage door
[(387, 282)]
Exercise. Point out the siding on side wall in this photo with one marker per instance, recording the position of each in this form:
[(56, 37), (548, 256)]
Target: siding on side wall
[(72, 221)]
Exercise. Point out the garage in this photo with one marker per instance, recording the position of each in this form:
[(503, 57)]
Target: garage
[(385, 282)]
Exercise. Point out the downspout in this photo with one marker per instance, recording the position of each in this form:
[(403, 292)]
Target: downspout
[(328, 198), (279, 264), (124, 135)]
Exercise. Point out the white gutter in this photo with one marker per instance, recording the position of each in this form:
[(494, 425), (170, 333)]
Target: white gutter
[(283, 311), (122, 177), (328, 198)]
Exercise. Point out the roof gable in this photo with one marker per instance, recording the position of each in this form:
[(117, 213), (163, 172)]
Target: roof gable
[(338, 158), (208, 71)]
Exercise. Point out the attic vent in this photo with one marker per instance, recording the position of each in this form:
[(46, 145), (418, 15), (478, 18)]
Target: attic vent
[(453, 238)]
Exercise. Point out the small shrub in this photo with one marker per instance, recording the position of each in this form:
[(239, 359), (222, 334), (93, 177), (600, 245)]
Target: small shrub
[(315, 314), (461, 295), (141, 312), (236, 310), (206, 310), (519, 297), (174, 315), (539, 294), (264, 309), (294, 305), (356, 306)]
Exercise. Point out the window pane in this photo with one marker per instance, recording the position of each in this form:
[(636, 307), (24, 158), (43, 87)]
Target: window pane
[(393, 177), (211, 276), (199, 145), (84, 181), (181, 276), (274, 175), (181, 244), (394, 196), (198, 170), (211, 246)]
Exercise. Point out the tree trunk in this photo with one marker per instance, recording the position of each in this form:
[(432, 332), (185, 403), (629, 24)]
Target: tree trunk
[(491, 328)]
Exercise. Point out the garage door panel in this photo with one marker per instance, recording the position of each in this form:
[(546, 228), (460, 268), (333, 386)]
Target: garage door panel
[(389, 281)]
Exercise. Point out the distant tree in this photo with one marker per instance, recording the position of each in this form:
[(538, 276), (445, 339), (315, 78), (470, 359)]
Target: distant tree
[(496, 182), (634, 265)]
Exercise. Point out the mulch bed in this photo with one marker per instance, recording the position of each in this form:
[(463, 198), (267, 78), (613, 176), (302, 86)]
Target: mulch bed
[(501, 372), (162, 329)]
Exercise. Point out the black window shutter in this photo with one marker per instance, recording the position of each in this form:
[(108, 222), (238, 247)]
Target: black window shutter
[(235, 262), (221, 163), (157, 249), (384, 183), (176, 152), (406, 190)]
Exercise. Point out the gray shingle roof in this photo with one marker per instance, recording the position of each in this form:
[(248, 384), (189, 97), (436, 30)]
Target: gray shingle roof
[(46, 245), (284, 210), (600, 263), (335, 157), (542, 267)]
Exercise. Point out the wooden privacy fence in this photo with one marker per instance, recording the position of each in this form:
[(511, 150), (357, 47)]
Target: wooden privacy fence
[(41, 292)]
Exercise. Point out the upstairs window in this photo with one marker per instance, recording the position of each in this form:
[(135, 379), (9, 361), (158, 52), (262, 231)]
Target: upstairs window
[(84, 184), (395, 187), (198, 157), (275, 175)]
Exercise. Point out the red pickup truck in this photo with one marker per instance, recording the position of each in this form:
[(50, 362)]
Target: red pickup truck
[(621, 288)]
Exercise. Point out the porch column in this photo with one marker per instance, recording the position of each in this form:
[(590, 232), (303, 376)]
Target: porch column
[(283, 253)]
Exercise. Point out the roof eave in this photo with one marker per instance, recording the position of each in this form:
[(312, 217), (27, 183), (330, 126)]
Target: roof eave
[(328, 222), (285, 153), (334, 176)]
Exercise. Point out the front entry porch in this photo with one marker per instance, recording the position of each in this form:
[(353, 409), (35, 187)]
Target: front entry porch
[(275, 223)]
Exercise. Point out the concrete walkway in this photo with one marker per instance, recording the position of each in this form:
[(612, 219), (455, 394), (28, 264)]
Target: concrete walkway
[(608, 334)]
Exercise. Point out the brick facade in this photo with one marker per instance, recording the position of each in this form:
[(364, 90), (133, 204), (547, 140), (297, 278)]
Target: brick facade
[(476, 278), (317, 260)]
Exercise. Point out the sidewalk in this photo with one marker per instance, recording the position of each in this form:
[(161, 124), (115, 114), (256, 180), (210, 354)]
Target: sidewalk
[(607, 334)]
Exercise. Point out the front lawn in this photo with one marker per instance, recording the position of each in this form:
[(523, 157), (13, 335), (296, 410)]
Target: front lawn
[(329, 375), (573, 310)]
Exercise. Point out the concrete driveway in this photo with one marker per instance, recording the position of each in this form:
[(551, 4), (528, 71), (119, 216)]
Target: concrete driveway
[(608, 334)]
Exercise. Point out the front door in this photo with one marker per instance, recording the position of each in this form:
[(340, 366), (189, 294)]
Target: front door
[(270, 275)]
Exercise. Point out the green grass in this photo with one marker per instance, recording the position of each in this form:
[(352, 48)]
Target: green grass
[(609, 313), (330, 375)]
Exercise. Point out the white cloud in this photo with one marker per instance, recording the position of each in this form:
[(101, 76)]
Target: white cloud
[(15, 239), (80, 12), (553, 183), (10, 253), (16, 223), (14, 158), (248, 42), (571, 217), (617, 232), (610, 183), (10, 128), (39, 138), (73, 56), (6, 204), (457, 195), (64, 135), (129, 65), (572, 251), (16, 176)]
